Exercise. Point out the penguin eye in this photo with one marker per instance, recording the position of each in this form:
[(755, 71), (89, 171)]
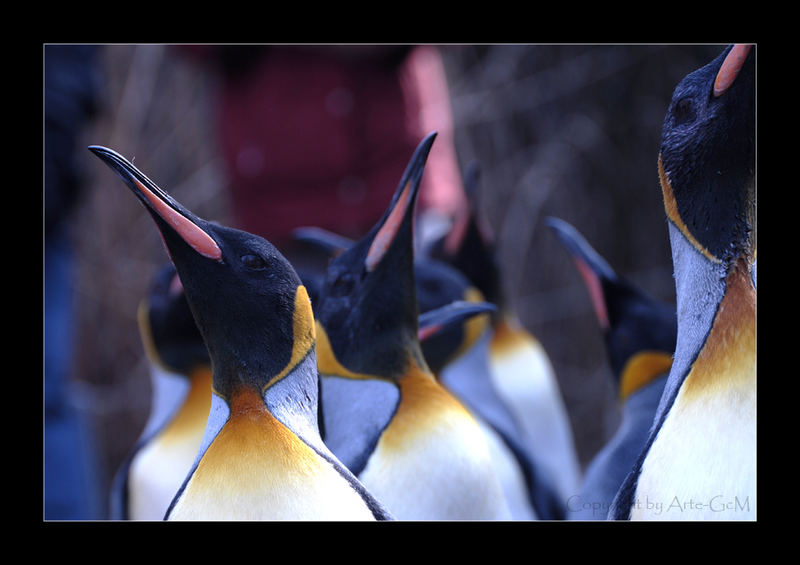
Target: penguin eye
[(254, 262), (683, 111)]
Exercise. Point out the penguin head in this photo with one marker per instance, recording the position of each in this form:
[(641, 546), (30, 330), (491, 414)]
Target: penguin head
[(707, 156), (450, 306), (248, 302), (167, 327), (631, 320), (367, 303)]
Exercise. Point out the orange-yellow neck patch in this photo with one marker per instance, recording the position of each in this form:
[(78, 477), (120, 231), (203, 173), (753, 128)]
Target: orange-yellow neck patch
[(424, 403), (146, 335), (476, 325), (251, 462), (327, 363), (303, 330), (729, 356)]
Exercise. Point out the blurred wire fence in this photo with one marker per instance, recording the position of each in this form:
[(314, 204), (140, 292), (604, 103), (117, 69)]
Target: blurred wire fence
[(558, 130)]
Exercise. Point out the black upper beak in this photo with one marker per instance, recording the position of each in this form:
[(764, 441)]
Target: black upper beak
[(579, 248), (160, 204), (401, 208), (331, 243), (592, 267), (438, 319)]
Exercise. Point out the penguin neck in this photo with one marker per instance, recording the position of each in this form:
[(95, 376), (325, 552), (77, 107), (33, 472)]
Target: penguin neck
[(403, 349), (707, 295), (262, 459), (291, 397), (728, 356), (423, 402), (296, 375), (294, 399), (704, 441)]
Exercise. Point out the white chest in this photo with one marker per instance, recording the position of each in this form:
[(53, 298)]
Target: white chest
[(702, 463), (444, 475), (257, 469), (157, 473), (432, 462), (524, 378)]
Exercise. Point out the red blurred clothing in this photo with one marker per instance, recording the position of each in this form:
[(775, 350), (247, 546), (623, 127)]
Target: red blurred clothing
[(317, 135)]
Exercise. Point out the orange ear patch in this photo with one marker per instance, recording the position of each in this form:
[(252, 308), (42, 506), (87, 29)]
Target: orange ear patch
[(671, 208), (303, 331)]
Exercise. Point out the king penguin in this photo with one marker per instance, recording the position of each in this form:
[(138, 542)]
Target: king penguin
[(454, 333), (180, 378), (519, 365), (700, 460), (639, 333), (410, 441), (261, 456)]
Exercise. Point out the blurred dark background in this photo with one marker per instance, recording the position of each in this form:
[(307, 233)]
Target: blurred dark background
[(559, 130)]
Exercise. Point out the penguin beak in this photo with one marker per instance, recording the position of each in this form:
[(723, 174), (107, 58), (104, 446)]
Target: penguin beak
[(438, 319), (327, 241), (402, 206), (579, 248), (591, 266), (160, 204), (730, 68)]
